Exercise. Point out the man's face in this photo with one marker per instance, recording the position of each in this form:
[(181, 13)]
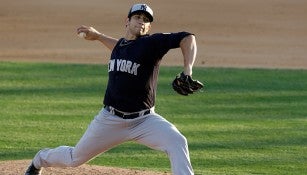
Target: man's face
[(138, 24)]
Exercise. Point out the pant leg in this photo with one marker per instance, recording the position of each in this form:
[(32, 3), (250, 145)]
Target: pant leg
[(103, 133), (157, 133)]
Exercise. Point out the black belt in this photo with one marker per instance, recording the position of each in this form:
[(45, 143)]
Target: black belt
[(126, 116)]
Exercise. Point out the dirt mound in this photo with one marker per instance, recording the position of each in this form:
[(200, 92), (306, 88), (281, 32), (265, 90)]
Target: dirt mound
[(19, 166)]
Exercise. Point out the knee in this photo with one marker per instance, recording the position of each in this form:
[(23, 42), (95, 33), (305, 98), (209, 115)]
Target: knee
[(181, 140), (69, 158), (178, 140), (76, 160), (75, 163)]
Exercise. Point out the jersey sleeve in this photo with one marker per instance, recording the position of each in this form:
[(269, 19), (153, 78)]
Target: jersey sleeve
[(163, 42)]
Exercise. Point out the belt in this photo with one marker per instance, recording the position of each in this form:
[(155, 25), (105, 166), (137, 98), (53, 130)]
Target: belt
[(125, 115)]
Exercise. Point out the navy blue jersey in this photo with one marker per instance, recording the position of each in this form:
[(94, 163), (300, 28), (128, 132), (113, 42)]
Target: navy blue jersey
[(133, 70)]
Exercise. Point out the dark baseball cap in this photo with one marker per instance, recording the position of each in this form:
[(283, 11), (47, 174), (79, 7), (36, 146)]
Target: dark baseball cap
[(141, 8)]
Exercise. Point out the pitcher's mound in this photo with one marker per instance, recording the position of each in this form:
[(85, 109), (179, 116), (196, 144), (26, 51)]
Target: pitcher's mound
[(15, 167)]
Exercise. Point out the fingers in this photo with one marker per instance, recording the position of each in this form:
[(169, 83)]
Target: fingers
[(90, 32), (83, 28)]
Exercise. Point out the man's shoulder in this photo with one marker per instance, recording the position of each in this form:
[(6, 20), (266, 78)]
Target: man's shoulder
[(153, 36), (166, 34), (158, 34)]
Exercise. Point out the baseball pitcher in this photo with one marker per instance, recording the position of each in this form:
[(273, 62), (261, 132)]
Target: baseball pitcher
[(128, 113)]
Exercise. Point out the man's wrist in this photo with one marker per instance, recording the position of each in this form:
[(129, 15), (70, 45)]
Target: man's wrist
[(100, 37)]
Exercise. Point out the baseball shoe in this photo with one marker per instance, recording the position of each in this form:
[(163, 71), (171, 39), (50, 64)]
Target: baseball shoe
[(33, 171)]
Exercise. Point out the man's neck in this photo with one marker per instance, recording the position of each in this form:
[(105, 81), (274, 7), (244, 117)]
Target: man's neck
[(130, 36)]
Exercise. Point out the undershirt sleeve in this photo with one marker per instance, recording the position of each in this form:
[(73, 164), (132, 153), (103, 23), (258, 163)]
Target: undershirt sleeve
[(163, 42)]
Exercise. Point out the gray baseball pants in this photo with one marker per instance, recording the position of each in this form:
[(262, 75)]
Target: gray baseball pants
[(107, 130)]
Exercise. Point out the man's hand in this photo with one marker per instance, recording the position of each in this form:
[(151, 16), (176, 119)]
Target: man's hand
[(90, 33)]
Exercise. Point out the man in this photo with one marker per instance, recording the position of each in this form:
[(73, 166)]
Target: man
[(128, 114)]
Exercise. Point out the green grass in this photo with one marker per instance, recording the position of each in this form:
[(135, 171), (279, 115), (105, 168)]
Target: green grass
[(247, 121)]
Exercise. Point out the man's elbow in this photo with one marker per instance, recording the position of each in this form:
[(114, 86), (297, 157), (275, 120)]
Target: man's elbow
[(188, 40)]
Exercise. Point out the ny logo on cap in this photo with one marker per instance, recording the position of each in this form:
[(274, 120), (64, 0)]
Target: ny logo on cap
[(143, 7)]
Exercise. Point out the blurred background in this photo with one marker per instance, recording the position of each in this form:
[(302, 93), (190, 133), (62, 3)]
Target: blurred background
[(236, 33)]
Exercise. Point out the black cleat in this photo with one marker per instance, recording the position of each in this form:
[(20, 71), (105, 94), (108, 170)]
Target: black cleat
[(33, 171)]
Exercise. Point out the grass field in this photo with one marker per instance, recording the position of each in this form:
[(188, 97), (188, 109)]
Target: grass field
[(247, 121)]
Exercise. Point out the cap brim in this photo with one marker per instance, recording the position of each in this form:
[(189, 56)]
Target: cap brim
[(142, 11)]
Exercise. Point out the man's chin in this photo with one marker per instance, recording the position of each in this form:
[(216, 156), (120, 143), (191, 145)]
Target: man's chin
[(141, 34)]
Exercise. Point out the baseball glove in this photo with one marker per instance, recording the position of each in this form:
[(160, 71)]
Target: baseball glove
[(185, 85)]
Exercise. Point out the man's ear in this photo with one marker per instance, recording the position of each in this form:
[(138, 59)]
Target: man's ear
[(127, 21)]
